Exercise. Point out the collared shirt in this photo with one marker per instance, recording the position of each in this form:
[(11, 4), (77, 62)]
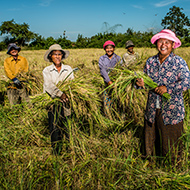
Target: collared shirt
[(174, 74), (13, 68), (129, 58), (52, 77), (106, 64)]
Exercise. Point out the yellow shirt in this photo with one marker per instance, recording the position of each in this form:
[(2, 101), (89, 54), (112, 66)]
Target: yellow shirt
[(13, 68)]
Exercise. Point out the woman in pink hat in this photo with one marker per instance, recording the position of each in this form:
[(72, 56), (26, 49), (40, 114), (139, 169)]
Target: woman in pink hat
[(106, 63), (164, 120)]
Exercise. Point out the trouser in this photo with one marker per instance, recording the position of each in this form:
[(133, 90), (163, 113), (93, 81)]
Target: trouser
[(57, 126), (16, 96), (107, 103), (163, 140)]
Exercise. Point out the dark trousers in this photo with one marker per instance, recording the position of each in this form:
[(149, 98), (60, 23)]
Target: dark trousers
[(57, 126), (163, 140)]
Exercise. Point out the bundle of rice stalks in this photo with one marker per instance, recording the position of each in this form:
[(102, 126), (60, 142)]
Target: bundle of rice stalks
[(32, 81), (125, 77), (81, 93), (124, 94)]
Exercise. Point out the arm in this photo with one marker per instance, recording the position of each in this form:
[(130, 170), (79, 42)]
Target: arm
[(8, 71), (25, 65), (183, 82), (103, 71)]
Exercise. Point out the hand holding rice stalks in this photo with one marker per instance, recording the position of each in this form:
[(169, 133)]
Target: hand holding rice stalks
[(81, 93), (125, 77)]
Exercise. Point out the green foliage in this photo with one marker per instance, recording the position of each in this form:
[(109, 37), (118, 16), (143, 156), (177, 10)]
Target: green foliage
[(19, 32), (177, 21)]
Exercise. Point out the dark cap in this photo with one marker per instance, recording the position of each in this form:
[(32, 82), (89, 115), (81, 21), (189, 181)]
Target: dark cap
[(14, 46), (129, 43)]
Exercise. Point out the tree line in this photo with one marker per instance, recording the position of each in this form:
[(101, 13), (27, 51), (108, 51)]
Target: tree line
[(175, 20)]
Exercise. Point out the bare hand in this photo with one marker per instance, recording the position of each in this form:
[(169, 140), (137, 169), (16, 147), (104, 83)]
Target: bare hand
[(160, 90), (64, 98), (109, 83), (140, 82)]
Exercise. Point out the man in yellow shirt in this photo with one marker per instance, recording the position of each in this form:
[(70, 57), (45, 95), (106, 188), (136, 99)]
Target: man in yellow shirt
[(13, 66)]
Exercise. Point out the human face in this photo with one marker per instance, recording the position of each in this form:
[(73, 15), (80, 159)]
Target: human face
[(130, 49), (13, 52), (109, 50), (165, 46), (56, 57)]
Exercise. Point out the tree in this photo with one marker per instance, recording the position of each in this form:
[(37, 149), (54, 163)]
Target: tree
[(19, 32), (176, 21)]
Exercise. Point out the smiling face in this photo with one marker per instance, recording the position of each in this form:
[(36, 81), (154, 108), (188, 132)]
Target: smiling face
[(109, 50), (13, 52), (165, 46), (56, 57)]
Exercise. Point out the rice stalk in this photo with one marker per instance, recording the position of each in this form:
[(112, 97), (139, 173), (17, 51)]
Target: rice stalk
[(81, 94)]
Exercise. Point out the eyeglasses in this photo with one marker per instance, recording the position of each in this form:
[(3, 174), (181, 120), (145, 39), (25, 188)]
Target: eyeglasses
[(57, 54)]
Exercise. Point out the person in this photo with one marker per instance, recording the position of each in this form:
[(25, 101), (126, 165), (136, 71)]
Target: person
[(106, 63), (57, 114), (130, 57), (163, 123), (13, 66)]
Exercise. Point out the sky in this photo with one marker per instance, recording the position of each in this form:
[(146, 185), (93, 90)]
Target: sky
[(88, 17)]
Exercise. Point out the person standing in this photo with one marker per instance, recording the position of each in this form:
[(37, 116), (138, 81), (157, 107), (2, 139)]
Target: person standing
[(57, 114), (130, 57), (106, 63), (164, 120), (13, 66)]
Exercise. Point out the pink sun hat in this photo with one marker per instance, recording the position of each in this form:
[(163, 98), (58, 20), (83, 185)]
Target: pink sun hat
[(167, 34), (108, 43)]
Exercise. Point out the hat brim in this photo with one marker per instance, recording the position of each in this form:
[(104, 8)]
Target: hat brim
[(129, 46), (166, 36), (65, 54), (17, 48)]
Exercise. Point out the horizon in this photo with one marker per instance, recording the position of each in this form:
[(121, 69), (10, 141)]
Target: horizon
[(52, 17)]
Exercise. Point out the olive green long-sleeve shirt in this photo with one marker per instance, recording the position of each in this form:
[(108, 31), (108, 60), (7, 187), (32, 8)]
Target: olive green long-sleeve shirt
[(13, 68)]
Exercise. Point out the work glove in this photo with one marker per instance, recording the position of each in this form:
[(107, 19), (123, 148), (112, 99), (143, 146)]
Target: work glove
[(17, 83)]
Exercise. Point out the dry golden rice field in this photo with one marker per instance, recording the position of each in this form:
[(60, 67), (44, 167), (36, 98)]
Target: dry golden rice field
[(104, 153)]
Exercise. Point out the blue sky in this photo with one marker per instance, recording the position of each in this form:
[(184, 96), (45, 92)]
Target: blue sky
[(86, 17)]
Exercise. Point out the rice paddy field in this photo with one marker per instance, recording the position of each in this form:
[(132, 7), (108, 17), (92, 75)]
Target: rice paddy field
[(105, 151)]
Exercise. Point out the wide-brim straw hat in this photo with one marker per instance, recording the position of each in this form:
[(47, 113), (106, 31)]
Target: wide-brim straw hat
[(55, 47), (14, 46), (167, 34)]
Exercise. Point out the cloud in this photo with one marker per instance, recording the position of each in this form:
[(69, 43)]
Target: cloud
[(45, 3), (164, 3), (138, 7)]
